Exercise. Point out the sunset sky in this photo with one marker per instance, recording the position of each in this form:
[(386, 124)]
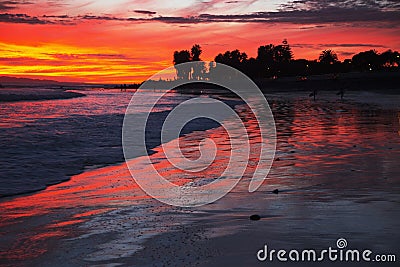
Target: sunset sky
[(124, 41)]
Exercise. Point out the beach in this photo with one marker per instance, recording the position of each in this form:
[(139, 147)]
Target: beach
[(336, 169), (200, 133)]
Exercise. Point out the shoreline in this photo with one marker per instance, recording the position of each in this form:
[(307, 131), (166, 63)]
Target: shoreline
[(114, 156)]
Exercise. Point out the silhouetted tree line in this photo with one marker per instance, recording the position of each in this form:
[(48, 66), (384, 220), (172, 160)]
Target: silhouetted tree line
[(124, 87), (274, 61)]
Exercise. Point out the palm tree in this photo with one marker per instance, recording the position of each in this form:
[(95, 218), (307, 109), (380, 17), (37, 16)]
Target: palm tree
[(196, 52), (328, 57), (198, 68), (180, 57)]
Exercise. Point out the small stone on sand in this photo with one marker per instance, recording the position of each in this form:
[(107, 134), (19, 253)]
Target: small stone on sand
[(255, 217)]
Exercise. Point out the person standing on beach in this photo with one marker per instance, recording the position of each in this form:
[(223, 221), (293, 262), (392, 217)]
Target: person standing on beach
[(314, 94), (341, 93)]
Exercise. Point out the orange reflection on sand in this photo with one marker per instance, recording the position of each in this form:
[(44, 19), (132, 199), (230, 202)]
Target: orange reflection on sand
[(61, 207), (319, 144), (327, 145), (92, 212), (189, 146), (65, 223), (90, 189), (30, 246), (310, 128)]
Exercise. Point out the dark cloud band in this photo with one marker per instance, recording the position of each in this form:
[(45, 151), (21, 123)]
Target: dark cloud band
[(356, 12)]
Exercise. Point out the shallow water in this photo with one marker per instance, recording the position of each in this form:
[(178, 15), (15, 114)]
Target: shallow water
[(46, 142), (336, 168)]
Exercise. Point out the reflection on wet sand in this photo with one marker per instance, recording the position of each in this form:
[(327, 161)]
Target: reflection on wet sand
[(90, 194), (326, 150), (54, 209)]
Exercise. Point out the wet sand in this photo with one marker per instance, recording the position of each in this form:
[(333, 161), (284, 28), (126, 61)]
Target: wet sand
[(336, 169)]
